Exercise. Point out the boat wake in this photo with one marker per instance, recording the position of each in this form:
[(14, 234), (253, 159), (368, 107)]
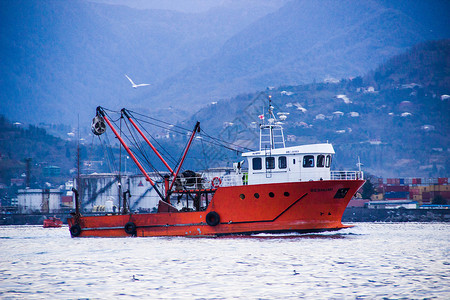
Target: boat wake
[(295, 235)]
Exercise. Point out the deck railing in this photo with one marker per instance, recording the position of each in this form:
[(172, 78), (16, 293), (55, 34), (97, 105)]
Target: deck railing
[(346, 175), (238, 179)]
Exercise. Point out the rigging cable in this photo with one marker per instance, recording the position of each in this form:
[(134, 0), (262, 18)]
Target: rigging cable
[(170, 157), (218, 142), (107, 153), (173, 128), (143, 154)]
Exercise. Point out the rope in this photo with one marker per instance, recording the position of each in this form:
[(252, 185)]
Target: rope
[(140, 152)]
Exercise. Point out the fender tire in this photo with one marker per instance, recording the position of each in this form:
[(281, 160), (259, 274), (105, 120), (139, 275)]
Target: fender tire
[(212, 218), (75, 230), (130, 228)]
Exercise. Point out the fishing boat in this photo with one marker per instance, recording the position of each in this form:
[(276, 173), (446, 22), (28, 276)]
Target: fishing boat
[(285, 189), (52, 222)]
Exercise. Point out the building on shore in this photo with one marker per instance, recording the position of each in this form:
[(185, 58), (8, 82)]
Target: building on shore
[(39, 200)]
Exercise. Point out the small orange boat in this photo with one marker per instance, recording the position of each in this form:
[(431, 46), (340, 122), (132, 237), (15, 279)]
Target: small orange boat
[(52, 222), (286, 189)]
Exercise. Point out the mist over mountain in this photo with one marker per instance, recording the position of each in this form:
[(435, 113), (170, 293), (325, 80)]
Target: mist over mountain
[(61, 59)]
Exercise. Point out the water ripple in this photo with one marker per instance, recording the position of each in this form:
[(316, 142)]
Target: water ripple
[(369, 261)]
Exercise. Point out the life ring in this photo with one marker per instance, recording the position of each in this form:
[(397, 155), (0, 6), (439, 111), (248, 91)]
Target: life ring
[(130, 228), (212, 218), (75, 230), (216, 182)]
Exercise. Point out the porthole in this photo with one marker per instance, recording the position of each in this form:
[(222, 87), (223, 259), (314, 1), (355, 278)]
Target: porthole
[(242, 196), (256, 195), (271, 195), (286, 194)]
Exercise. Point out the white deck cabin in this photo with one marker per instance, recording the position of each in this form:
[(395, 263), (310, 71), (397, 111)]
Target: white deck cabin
[(291, 164), (276, 163)]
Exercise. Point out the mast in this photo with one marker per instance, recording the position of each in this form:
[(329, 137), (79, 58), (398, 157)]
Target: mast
[(119, 177), (196, 129), (101, 129), (78, 156), (271, 134)]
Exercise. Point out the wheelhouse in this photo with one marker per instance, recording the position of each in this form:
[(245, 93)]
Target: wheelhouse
[(291, 164)]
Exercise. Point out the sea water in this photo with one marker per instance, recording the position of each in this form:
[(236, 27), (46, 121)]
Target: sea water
[(368, 261)]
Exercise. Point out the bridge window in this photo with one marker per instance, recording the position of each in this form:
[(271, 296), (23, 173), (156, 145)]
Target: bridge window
[(308, 161), (328, 161), (320, 161), (256, 163), (270, 162), (282, 162)]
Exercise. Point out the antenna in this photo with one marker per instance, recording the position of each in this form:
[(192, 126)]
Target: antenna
[(271, 134), (359, 164)]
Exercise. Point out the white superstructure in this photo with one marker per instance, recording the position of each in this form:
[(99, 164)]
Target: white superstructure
[(275, 163), (291, 164)]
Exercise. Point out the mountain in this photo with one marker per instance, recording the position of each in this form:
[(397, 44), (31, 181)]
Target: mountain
[(395, 118), (52, 159), (19, 143), (61, 59), (305, 41)]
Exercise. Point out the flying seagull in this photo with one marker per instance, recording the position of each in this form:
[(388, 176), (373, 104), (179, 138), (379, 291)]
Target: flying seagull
[(134, 84)]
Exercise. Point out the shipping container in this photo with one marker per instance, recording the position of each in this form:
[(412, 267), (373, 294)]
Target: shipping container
[(417, 197), (417, 181), (444, 188), (414, 191), (431, 181), (446, 195), (443, 180), (394, 181), (436, 188), (426, 196), (396, 195), (397, 188), (425, 188)]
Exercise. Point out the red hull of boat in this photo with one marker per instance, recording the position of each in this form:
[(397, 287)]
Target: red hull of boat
[(52, 223), (281, 207)]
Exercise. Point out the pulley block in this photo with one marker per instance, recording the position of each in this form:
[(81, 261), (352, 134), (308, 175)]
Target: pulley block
[(98, 125)]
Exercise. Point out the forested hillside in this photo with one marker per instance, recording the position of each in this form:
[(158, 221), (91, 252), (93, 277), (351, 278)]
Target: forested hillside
[(396, 118)]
